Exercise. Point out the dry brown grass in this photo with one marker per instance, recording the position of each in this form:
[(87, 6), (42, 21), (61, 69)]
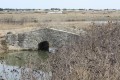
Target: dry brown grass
[(95, 56), (71, 19), (92, 57)]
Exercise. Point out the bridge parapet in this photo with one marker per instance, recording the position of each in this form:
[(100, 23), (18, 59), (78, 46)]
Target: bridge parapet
[(30, 40)]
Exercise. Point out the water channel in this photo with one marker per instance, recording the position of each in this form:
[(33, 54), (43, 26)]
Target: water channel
[(25, 65)]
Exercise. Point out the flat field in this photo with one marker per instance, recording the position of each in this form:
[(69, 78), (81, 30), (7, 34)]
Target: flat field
[(94, 57), (65, 20)]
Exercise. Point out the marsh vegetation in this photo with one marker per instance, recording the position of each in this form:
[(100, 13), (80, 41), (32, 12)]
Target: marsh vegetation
[(95, 56)]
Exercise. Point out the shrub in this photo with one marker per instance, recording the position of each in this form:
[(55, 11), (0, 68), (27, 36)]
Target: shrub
[(95, 56)]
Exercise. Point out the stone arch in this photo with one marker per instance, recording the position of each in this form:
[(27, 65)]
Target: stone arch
[(43, 46)]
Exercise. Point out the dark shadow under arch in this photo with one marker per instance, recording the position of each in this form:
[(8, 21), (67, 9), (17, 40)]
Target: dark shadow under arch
[(43, 46)]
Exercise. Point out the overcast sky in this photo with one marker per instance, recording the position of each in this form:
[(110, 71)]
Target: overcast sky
[(47, 4)]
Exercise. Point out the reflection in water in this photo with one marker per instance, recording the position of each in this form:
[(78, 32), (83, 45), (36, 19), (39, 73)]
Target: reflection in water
[(25, 65), (43, 55)]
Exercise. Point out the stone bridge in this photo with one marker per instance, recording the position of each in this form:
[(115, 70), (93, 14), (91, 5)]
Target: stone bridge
[(32, 40)]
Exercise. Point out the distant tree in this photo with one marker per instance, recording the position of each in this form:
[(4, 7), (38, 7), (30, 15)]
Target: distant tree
[(1, 9), (64, 9), (46, 9), (55, 9), (81, 9), (106, 9), (91, 9), (52, 8)]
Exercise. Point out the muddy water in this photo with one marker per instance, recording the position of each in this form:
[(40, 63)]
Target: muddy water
[(25, 65)]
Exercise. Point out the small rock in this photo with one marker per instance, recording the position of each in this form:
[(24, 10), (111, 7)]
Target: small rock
[(53, 50)]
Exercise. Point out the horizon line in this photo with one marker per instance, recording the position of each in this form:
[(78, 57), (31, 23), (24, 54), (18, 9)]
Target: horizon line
[(64, 8)]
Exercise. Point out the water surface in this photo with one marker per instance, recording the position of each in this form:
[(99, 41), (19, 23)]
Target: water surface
[(25, 65)]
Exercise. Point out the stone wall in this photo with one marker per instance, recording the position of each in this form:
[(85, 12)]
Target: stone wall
[(30, 40)]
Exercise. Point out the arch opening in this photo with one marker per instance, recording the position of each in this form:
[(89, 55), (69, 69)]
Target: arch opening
[(43, 46)]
